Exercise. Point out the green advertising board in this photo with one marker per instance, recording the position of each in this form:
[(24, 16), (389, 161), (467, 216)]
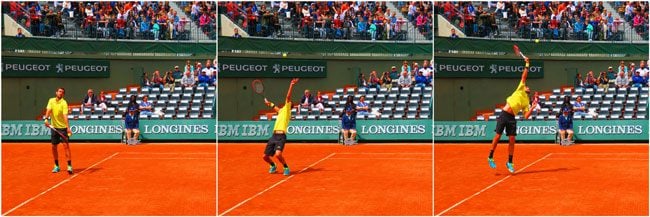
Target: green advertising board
[(271, 68), (484, 68), (585, 130), (368, 130), (199, 129), (20, 67)]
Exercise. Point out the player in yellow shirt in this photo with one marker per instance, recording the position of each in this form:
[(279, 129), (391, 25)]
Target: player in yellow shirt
[(275, 145), (517, 102), (57, 109)]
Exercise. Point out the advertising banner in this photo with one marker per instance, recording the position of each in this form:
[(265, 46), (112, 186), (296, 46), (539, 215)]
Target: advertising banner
[(19, 67), (271, 68), (485, 68)]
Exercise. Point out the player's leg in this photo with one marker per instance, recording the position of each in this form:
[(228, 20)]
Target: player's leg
[(268, 152), (68, 156), (55, 152), (511, 131), (497, 136), (278, 155)]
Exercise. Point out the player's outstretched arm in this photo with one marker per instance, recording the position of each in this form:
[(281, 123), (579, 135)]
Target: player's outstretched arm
[(524, 75), (293, 82), (270, 104), (530, 110)]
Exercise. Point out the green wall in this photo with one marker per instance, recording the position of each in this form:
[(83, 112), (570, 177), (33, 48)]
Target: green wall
[(26, 98), (455, 104), (238, 102)]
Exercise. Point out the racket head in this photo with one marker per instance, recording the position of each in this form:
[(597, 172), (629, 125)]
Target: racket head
[(258, 86), (516, 49)]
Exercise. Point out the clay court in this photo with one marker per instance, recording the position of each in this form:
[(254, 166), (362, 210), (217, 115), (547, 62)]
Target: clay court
[(583, 179), (110, 179), (327, 179)]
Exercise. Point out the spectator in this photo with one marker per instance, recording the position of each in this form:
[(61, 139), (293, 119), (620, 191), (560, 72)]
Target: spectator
[(144, 80), (319, 103), (611, 76), (361, 81), (622, 67), (20, 33), (236, 35), (638, 80), (170, 82), (101, 101), (404, 80), (157, 80), (362, 106), (374, 81), (306, 100), (577, 81), (348, 122), (386, 80), (427, 69), (131, 125), (204, 79), (603, 81), (643, 69), (566, 104), (89, 100), (349, 104), (453, 33), (394, 74), (405, 66), (565, 123), (133, 104), (177, 74), (622, 81), (590, 81), (146, 106), (421, 80), (187, 80), (580, 108)]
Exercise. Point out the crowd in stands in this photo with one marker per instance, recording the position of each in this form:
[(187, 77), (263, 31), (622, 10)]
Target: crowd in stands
[(548, 20), (412, 75), (365, 20), (623, 76), (115, 19), (191, 75)]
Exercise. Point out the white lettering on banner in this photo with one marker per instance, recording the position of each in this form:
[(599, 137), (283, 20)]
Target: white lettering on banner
[(249, 130), (177, 129), (393, 129), (624, 129), (445, 130), (96, 129), (255, 130), (461, 68), (12, 130), (298, 68), (243, 68), (228, 130), (85, 68), (313, 130), (536, 130), (472, 130), (27, 67)]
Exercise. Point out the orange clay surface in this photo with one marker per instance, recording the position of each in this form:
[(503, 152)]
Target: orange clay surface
[(327, 179), (588, 179), (110, 179)]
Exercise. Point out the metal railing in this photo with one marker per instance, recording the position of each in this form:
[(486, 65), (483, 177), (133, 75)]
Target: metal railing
[(289, 28)]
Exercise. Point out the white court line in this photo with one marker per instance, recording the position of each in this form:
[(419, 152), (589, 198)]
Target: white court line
[(176, 153), (602, 153), (165, 158), (273, 186), (588, 158), (492, 185), (59, 184), (379, 158), (383, 153)]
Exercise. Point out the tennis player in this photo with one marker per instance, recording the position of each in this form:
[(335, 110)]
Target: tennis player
[(517, 102), (275, 145), (57, 109)]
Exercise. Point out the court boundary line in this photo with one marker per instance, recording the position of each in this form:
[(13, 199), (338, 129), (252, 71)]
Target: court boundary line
[(58, 184), (165, 158), (273, 186), (163, 153), (492, 185), (422, 153), (379, 158)]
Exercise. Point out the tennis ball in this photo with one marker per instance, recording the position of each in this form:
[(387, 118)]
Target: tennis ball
[(284, 54), (536, 40), (69, 134)]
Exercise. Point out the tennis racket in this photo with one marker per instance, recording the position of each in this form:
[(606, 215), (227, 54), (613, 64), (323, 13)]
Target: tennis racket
[(63, 137), (258, 87), (517, 51)]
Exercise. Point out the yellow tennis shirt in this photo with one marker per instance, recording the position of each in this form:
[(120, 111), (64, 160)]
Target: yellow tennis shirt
[(519, 101), (59, 111), (284, 116)]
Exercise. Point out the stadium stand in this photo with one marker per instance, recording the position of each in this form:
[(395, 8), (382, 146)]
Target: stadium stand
[(333, 20), (116, 20), (598, 21)]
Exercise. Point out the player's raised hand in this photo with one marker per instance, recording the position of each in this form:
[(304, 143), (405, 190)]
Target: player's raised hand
[(527, 60), (294, 81)]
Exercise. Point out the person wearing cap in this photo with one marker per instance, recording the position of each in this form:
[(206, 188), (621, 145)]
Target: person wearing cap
[(394, 74), (348, 126), (132, 122), (177, 74), (611, 76), (565, 125)]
